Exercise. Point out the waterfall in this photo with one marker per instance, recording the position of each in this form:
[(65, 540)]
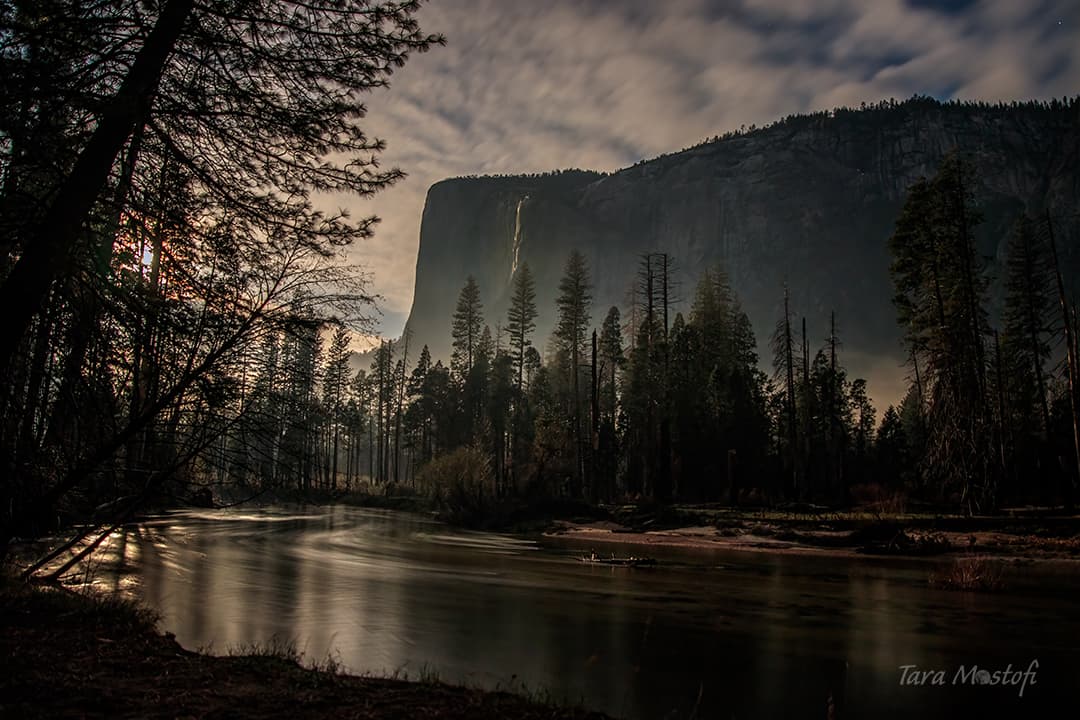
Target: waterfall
[(517, 236)]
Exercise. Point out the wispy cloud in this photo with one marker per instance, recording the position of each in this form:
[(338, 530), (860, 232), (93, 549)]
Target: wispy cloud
[(526, 86)]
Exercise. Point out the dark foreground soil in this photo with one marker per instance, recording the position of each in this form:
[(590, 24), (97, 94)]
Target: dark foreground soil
[(71, 656)]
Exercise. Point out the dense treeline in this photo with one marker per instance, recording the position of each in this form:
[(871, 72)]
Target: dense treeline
[(883, 111), (647, 402), (1065, 108)]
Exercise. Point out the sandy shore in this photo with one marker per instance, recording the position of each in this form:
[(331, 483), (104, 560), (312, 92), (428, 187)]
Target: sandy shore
[(701, 538), (777, 539)]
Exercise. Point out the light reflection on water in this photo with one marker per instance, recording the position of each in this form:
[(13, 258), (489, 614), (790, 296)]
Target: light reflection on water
[(725, 633)]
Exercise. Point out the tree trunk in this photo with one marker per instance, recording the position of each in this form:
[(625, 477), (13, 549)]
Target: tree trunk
[(400, 403), (834, 459), (806, 488), (665, 424), (595, 407), (793, 490), (87, 304), (1002, 421), (576, 389)]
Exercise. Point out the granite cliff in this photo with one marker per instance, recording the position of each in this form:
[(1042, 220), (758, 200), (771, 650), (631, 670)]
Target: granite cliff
[(810, 201)]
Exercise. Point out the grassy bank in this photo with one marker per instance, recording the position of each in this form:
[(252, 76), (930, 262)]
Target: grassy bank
[(65, 655)]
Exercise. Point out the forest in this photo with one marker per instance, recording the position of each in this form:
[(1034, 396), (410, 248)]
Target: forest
[(179, 314), (224, 494), (649, 404)]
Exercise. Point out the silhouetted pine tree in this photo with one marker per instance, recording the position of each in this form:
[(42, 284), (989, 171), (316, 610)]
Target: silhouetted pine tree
[(612, 360), (521, 321), (940, 302), (335, 385), (1025, 347), (783, 347), (574, 307), (468, 323)]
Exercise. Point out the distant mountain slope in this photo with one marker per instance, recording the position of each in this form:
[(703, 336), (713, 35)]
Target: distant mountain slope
[(810, 200)]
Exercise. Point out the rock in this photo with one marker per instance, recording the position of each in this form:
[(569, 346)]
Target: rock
[(811, 201)]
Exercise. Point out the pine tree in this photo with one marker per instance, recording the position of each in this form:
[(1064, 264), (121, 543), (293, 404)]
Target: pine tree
[(477, 386), (500, 412), (783, 346), (300, 355), (713, 313), (266, 420), (399, 405), (442, 397), (863, 419), (573, 305), (361, 391), (420, 411), (521, 321), (612, 360), (940, 302), (335, 383), (467, 324), (806, 406), (383, 378), (1072, 365), (891, 452), (1025, 348)]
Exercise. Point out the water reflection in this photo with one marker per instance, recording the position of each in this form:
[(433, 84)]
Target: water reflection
[(707, 634)]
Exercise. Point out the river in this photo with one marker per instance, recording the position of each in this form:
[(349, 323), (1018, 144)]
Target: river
[(704, 634)]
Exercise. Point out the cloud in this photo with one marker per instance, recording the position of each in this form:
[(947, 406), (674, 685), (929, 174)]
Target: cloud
[(526, 86)]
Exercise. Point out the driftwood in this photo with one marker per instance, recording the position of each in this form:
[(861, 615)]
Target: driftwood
[(631, 561)]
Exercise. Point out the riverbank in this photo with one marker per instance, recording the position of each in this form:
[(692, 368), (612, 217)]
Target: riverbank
[(68, 655), (1025, 535), (1018, 534)]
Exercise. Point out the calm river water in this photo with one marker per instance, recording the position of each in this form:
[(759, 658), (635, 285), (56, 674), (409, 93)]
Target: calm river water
[(705, 634)]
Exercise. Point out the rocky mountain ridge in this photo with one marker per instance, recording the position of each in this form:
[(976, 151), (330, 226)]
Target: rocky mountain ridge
[(810, 201)]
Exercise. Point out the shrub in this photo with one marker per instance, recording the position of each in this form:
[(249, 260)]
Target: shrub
[(462, 485), (878, 499)]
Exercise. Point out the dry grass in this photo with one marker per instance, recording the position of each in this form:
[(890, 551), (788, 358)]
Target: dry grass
[(969, 574)]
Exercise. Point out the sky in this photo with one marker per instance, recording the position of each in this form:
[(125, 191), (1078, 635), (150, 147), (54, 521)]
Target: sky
[(533, 85)]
